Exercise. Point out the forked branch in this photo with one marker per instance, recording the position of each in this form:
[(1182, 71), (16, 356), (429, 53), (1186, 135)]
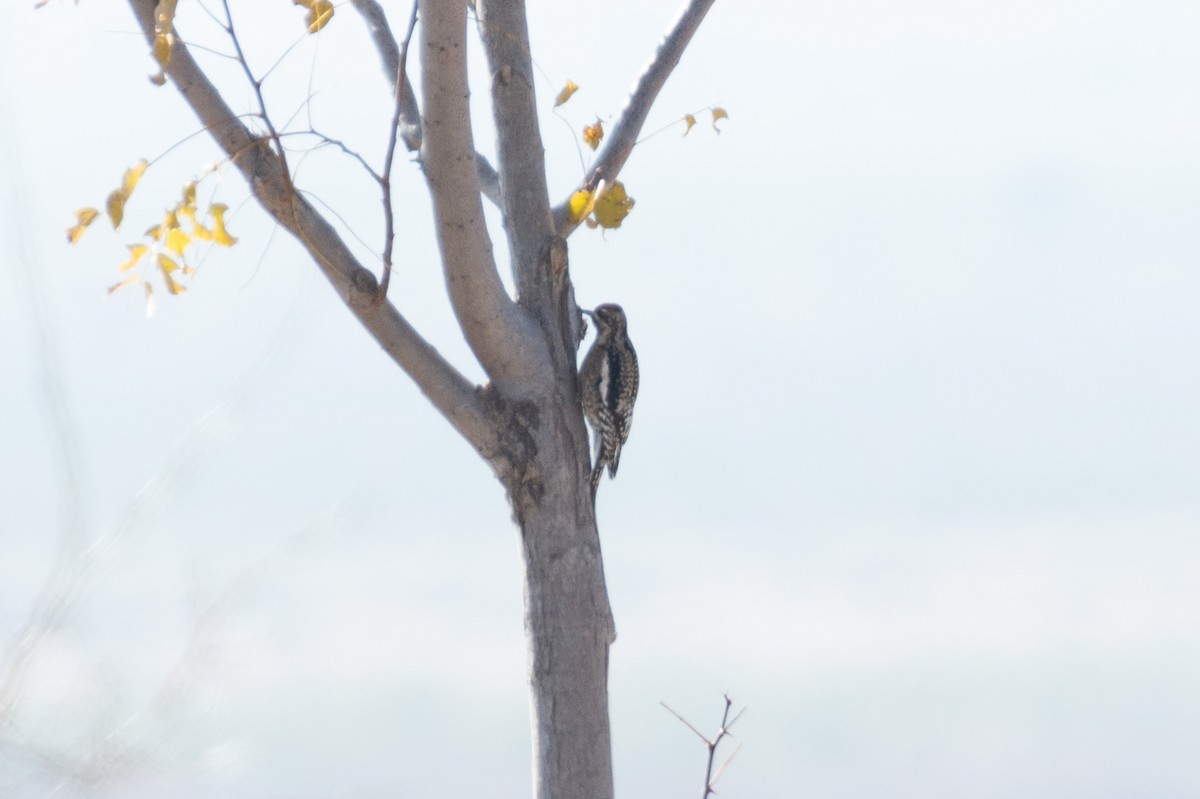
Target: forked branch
[(504, 339), (624, 133), (451, 393), (710, 779)]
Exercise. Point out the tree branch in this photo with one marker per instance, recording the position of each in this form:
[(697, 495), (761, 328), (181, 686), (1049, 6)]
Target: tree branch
[(489, 180), (389, 52), (526, 200), (500, 335), (451, 393), (623, 135), (410, 118)]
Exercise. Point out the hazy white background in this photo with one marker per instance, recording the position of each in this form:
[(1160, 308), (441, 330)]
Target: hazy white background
[(916, 468)]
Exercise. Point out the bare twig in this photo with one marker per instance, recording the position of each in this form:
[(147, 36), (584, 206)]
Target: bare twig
[(257, 84), (385, 180), (710, 779), (686, 723), (329, 141), (624, 134)]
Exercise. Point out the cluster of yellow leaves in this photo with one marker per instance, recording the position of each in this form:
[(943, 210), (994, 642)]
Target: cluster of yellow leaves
[(606, 206), (319, 13), (168, 241)]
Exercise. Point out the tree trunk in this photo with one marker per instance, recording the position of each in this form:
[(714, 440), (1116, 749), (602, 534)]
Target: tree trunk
[(568, 620), (568, 628)]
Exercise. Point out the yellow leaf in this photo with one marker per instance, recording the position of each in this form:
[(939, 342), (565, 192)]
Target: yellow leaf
[(177, 241), (613, 205), (565, 93), (581, 204), (163, 43), (219, 234), (717, 115), (319, 13), (691, 122), (199, 231), (83, 218), (129, 281), (592, 134), (189, 195), (115, 205), (136, 251), (171, 222), (172, 286), (167, 265), (133, 175), (164, 31), (153, 232)]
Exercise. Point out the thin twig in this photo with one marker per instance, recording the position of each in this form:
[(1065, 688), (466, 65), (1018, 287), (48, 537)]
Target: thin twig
[(257, 84), (686, 723), (317, 199), (389, 213), (193, 134), (329, 141), (710, 779)]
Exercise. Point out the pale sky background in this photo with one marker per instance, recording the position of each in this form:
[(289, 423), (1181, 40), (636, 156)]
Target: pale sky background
[(915, 473)]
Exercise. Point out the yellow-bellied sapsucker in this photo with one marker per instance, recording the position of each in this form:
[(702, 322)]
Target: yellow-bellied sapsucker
[(608, 386)]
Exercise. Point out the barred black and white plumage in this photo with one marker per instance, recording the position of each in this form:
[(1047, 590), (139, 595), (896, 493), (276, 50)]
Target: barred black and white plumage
[(608, 386)]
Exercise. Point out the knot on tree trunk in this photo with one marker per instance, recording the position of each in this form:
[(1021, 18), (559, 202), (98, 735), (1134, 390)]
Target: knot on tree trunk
[(515, 460)]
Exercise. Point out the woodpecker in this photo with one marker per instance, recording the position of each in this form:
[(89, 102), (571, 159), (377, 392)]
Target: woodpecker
[(608, 385)]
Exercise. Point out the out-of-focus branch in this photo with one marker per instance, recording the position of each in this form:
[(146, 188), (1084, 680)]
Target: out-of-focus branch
[(623, 135), (502, 337), (389, 53), (489, 180), (403, 91), (451, 393)]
